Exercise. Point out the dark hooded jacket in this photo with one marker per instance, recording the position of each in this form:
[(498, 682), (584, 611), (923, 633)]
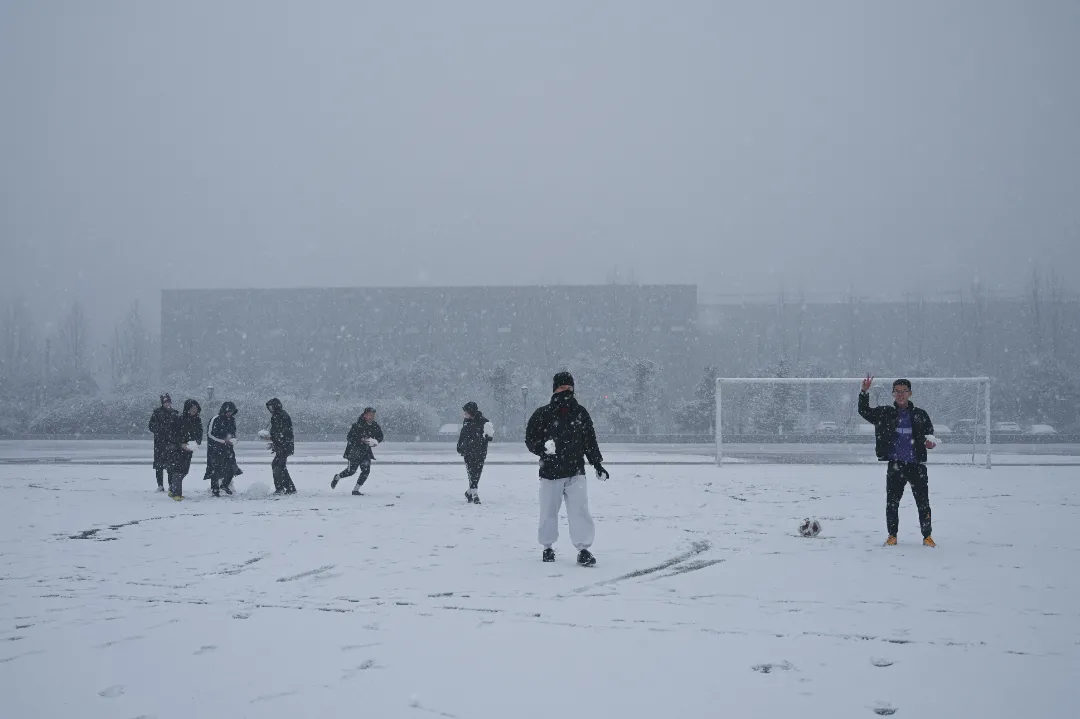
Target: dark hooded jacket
[(161, 424), (281, 431), (884, 419), (570, 426), (472, 443), (220, 455), (186, 429), (356, 446)]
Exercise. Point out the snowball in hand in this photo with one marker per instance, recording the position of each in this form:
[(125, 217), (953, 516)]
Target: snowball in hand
[(932, 438), (549, 446), (372, 442), (489, 430), (264, 434)]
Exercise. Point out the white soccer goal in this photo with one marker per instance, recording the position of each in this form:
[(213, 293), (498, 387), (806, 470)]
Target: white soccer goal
[(816, 419)]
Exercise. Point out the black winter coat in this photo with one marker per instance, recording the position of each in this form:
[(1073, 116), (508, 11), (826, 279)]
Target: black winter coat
[(187, 429), (220, 455), (356, 448), (884, 421), (281, 431), (472, 443), (161, 424), (570, 426)]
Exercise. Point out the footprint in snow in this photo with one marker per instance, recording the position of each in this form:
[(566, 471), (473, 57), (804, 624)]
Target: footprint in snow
[(205, 648), (768, 668), (112, 692), (879, 662), (885, 709)]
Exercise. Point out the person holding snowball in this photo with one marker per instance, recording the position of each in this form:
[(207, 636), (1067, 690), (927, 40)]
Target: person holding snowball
[(189, 436), (562, 435), (902, 434), (220, 450), (364, 436)]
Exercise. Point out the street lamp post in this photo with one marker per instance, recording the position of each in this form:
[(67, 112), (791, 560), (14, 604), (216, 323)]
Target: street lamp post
[(209, 394)]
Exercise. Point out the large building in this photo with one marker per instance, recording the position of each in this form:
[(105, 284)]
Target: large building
[(316, 331)]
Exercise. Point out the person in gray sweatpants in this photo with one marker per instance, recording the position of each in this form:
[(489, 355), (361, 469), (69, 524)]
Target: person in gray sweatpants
[(562, 435)]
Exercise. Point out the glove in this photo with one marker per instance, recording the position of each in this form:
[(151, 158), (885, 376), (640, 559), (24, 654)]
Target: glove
[(232, 441), (270, 446), (549, 447), (601, 473), (372, 442)]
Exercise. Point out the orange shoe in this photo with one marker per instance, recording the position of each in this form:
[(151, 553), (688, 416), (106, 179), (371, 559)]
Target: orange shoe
[(929, 542), (891, 541)]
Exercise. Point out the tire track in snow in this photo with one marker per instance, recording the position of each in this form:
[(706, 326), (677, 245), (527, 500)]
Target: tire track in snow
[(695, 549), (308, 573)]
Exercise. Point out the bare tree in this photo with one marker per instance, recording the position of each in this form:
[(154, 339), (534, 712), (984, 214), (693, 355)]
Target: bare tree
[(19, 349), (130, 355), (1056, 301), (799, 327), (645, 394), (501, 379), (853, 331), (1035, 298), (978, 296), (74, 340)]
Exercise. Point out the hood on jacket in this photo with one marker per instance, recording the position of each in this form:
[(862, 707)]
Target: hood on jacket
[(189, 403), (228, 407), (274, 405)]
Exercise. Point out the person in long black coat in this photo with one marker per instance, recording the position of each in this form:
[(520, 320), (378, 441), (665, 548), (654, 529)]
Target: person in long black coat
[(161, 420), (472, 444), (188, 437), (220, 452), (364, 435), (282, 445)]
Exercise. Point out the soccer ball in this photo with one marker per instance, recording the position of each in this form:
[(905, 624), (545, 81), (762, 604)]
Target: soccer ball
[(810, 528)]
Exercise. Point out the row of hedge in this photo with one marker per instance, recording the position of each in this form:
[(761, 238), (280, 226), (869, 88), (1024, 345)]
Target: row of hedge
[(120, 415)]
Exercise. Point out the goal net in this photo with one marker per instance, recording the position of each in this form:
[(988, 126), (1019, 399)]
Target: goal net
[(816, 419)]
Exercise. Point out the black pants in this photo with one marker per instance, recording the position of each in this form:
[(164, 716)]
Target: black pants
[(898, 475), (218, 482), (364, 465), (474, 466), (176, 481), (282, 481), (160, 477)]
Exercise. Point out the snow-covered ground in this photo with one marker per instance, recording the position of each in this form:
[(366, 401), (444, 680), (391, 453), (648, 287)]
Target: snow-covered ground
[(118, 602)]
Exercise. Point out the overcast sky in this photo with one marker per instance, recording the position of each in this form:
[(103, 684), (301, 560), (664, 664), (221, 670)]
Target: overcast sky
[(743, 146)]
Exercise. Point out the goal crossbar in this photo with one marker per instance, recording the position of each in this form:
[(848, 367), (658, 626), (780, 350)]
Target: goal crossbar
[(841, 380), (982, 383)]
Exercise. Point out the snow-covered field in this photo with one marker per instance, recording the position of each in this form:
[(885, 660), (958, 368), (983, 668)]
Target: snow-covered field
[(118, 602)]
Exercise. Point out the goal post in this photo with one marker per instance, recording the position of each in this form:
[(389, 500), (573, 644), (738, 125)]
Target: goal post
[(815, 419)]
